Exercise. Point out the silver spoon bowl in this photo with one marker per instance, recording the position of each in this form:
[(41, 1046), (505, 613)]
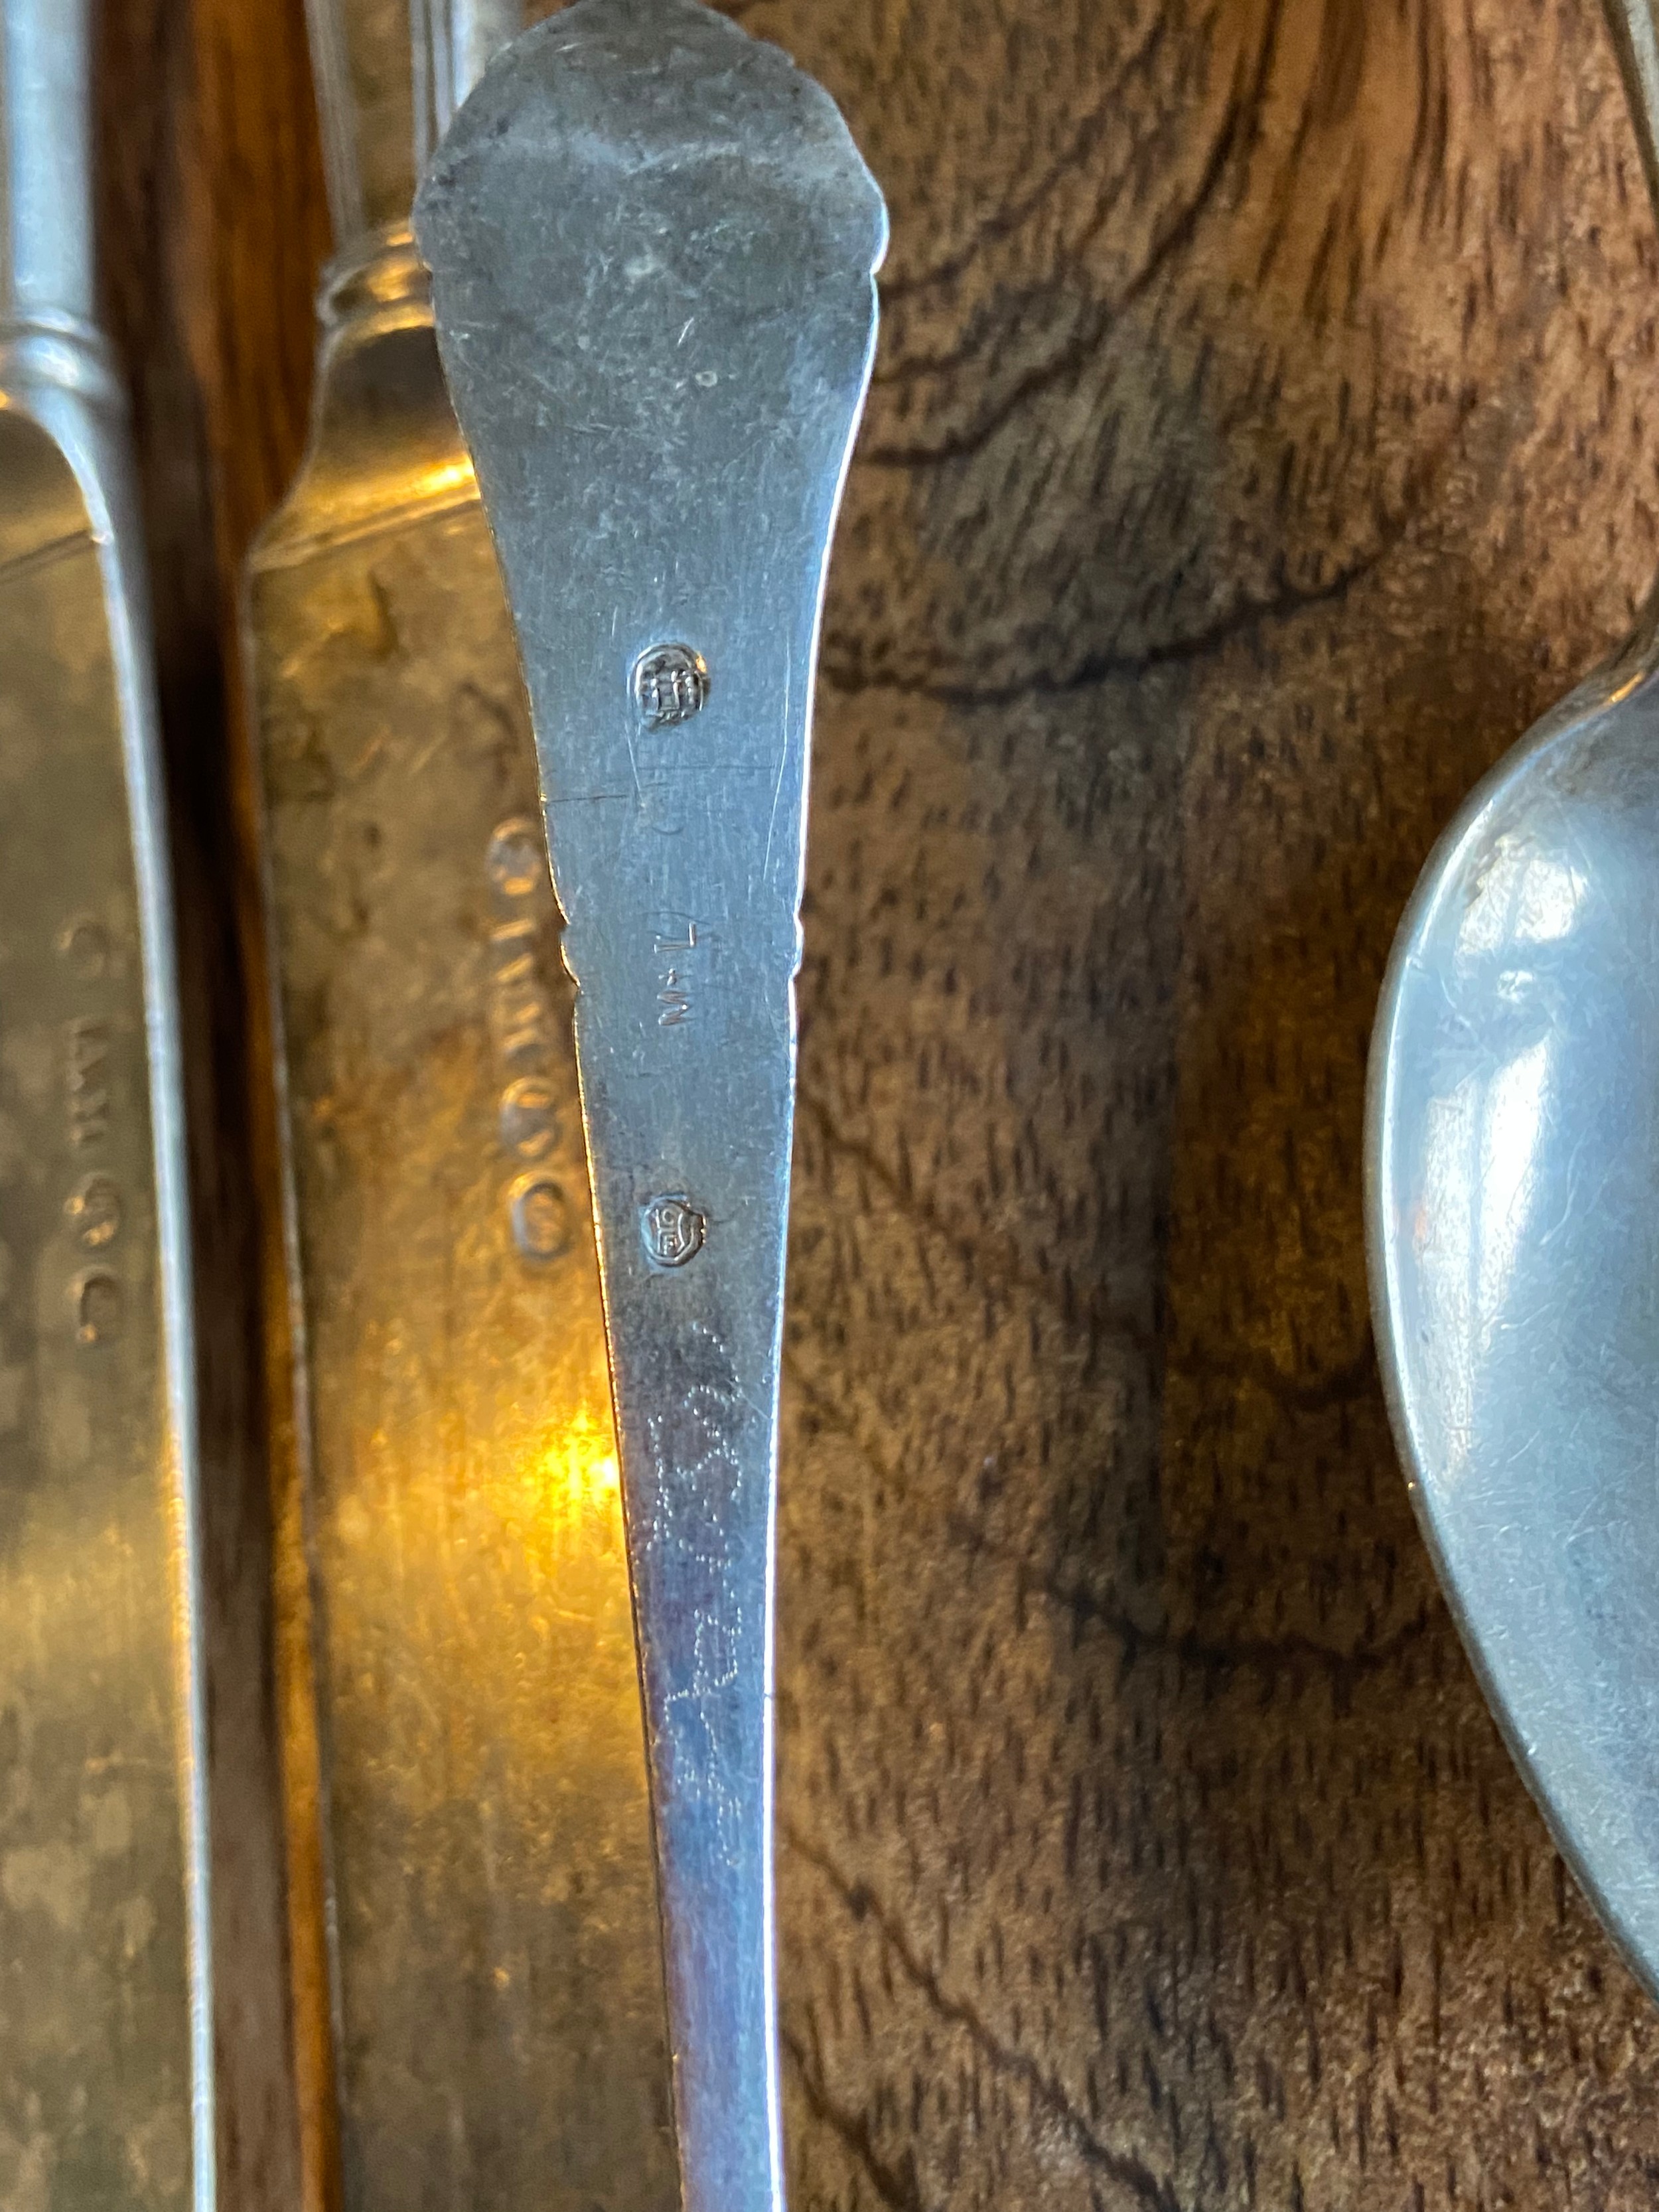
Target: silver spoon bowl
[(1513, 1219), (1512, 1225)]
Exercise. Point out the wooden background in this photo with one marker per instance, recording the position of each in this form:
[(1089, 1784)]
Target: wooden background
[(1264, 432)]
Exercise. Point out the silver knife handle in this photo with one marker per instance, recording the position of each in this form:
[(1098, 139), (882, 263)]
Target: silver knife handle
[(106, 2043), (389, 75), (47, 269)]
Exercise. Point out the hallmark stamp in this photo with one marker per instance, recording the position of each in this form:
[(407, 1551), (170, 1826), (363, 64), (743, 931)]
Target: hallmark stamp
[(96, 1300), (674, 997), (540, 1213), (521, 1009), (672, 1229), (671, 684), (529, 1117), (515, 863), (93, 1208), (84, 944), (525, 1021), (85, 1057)]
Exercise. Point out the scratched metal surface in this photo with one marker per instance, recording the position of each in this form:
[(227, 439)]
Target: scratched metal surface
[(653, 242), (496, 1966), (95, 2059), (1261, 439), (1514, 1145)]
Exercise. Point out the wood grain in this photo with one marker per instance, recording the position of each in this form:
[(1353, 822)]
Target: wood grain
[(1264, 432)]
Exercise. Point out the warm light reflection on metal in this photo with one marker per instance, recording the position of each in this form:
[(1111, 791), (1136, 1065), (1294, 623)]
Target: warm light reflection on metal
[(445, 481), (477, 1763), (584, 1478), (103, 1979)]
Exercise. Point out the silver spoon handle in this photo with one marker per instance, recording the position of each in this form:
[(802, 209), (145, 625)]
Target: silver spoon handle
[(45, 162), (652, 243)]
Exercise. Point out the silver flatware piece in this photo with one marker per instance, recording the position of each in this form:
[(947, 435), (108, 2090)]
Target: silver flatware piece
[(1512, 1214), (106, 2022), (477, 1983), (653, 244)]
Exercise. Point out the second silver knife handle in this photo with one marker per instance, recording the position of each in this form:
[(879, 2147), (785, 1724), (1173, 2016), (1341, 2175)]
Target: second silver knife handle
[(389, 75)]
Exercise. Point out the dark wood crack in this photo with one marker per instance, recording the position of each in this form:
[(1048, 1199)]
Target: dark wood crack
[(1132, 2173)]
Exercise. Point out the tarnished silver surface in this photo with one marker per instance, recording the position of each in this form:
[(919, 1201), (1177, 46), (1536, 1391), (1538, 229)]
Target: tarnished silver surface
[(106, 2051), (1513, 1231), (465, 1755), (465, 1758), (653, 244)]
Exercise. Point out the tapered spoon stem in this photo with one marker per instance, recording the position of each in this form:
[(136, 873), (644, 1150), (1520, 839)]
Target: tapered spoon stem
[(653, 244)]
